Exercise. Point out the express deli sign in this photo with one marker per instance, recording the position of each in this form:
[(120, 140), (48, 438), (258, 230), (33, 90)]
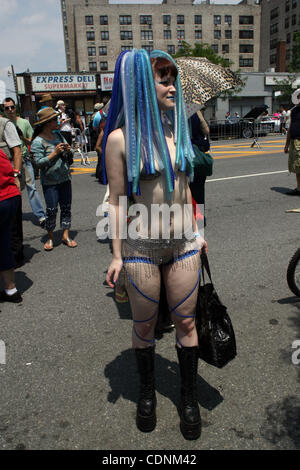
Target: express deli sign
[(65, 82)]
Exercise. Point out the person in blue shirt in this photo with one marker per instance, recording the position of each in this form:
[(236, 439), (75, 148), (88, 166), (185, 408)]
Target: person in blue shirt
[(51, 154)]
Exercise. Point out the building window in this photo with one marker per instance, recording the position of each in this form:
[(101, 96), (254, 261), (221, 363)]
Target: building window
[(91, 51), (180, 34), (287, 22), (103, 66), (288, 38), (102, 50), (167, 19), (228, 34), (171, 49), (147, 48), (246, 62), (66, 32), (274, 28), (147, 34), (180, 19), (288, 54), (273, 43), (198, 19), (104, 35), (65, 17), (217, 34), (294, 3), (93, 66), (167, 34), (215, 47), (198, 34), (217, 19), (90, 36), (126, 48), (273, 59), (246, 34), (125, 35), (246, 48), (225, 48), (145, 19), (294, 20), (104, 19), (246, 20), (125, 19), (89, 20), (274, 13), (287, 5), (228, 19)]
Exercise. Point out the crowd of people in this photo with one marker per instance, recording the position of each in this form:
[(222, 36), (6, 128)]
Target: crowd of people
[(147, 152)]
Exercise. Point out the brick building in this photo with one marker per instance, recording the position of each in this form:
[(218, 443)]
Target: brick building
[(96, 31), (280, 19)]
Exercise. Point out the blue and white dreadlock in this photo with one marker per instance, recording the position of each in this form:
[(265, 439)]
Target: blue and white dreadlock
[(134, 104)]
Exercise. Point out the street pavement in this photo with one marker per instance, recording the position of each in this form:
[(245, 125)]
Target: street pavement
[(69, 380)]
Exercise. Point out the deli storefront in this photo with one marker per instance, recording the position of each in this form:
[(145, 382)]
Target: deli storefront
[(80, 91)]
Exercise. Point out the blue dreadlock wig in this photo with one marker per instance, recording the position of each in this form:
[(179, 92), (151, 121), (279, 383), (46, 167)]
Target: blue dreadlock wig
[(134, 104)]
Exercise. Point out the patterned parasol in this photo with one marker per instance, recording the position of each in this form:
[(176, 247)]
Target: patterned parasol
[(201, 80)]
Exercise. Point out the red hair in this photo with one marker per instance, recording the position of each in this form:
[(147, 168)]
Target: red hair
[(163, 67)]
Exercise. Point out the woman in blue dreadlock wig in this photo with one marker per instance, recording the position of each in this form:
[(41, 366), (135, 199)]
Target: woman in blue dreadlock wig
[(148, 155)]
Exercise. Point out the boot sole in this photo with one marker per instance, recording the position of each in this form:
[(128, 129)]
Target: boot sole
[(190, 432), (146, 423)]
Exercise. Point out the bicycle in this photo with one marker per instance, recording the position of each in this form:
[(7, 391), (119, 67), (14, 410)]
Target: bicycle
[(293, 273)]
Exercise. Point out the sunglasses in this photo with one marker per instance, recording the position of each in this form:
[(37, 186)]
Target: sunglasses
[(10, 107)]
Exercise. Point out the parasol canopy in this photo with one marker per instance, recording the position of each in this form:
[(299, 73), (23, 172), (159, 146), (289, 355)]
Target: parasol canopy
[(202, 80)]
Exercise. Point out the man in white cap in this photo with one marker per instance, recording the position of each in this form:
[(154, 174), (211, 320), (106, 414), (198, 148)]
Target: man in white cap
[(292, 145), (65, 122)]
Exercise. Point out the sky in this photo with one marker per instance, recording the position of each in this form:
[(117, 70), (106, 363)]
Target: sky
[(31, 36)]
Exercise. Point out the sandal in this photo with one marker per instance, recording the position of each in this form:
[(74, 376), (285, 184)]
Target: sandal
[(68, 242), (48, 245)]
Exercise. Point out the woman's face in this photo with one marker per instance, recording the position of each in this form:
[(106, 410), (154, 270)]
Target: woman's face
[(52, 125), (165, 91)]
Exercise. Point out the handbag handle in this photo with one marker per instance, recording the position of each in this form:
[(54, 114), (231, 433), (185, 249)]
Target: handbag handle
[(205, 264)]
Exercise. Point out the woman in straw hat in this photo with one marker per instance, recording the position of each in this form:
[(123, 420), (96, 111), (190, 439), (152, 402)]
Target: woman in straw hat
[(148, 155), (51, 154)]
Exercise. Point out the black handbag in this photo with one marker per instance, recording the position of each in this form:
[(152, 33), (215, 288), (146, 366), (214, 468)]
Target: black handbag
[(217, 345)]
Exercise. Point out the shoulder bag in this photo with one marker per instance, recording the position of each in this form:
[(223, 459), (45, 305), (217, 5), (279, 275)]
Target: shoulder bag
[(217, 345)]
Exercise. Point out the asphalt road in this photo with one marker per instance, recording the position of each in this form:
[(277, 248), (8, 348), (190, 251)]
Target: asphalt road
[(69, 380)]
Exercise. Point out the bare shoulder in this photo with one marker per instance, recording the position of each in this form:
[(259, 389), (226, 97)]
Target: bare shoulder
[(116, 137)]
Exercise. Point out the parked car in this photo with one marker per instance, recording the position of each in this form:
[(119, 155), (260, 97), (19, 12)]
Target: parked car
[(272, 123), (245, 127)]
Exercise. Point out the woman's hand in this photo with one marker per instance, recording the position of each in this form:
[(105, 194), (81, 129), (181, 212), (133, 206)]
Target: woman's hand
[(114, 271), (205, 246), (59, 148)]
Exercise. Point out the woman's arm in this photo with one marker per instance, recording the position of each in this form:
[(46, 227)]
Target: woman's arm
[(98, 146), (42, 160), (203, 123), (117, 180)]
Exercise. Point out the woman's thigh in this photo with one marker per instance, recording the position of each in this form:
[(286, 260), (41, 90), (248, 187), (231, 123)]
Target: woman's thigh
[(181, 281), (51, 195), (143, 286), (65, 193)]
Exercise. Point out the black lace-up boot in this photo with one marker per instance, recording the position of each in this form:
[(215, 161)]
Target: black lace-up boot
[(190, 420), (146, 415)]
